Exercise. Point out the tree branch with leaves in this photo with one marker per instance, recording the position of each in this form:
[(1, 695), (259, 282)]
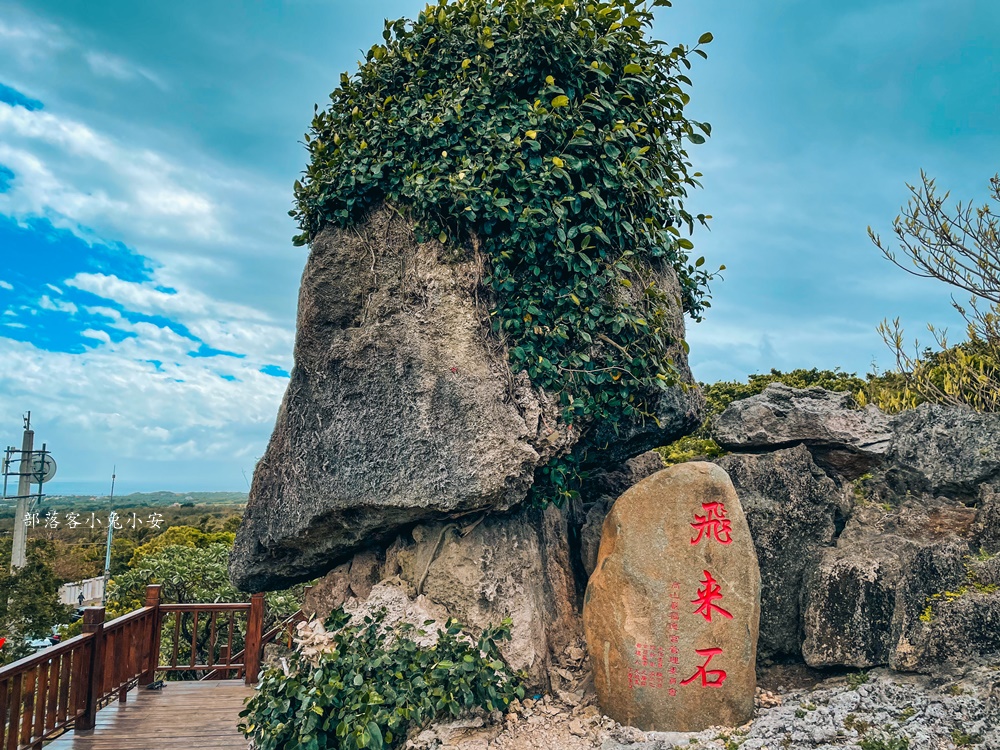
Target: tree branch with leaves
[(962, 249)]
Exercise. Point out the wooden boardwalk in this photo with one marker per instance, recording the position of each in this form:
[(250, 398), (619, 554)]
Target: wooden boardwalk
[(189, 715)]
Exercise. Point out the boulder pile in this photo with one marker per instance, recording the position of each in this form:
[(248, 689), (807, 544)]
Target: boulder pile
[(877, 535)]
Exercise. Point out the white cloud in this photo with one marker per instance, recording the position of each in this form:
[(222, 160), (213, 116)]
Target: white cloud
[(28, 38), (47, 303), (86, 182), (221, 278), (113, 66), (111, 404), (6, 285), (101, 336)]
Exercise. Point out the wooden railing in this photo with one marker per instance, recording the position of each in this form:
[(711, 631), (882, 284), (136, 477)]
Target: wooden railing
[(63, 687), (42, 695), (286, 629)]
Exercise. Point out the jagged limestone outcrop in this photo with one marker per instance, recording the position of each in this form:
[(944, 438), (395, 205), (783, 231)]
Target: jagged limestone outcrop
[(893, 566)]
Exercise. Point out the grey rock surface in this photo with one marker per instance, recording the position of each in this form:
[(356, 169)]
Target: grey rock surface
[(399, 410), (901, 588), (954, 450), (480, 570), (886, 533), (677, 410), (850, 599), (844, 438), (793, 511), (885, 711)]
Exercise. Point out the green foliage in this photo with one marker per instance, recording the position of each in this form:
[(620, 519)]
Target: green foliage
[(961, 738), (187, 574), (885, 742), (857, 679), (551, 136), (29, 600), (959, 248), (371, 686), (689, 448), (966, 374), (720, 395), (181, 536), (191, 574)]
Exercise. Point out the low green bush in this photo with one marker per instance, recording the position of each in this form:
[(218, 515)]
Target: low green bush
[(372, 684)]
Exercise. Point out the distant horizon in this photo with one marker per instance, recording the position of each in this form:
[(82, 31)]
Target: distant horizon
[(102, 488)]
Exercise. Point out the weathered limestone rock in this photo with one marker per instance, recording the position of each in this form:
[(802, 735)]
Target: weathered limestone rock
[(679, 410), (393, 598), (893, 563), (955, 450), (886, 595), (400, 409), (483, 570), (850, 599), (671, 613), (329, 592), (987, 527), (842, 437), (793, 510)]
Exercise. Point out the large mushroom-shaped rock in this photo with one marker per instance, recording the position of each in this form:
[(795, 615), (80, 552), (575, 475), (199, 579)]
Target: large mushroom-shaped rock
[(671, 613), (402, 408), (399, 409), (842, 437)]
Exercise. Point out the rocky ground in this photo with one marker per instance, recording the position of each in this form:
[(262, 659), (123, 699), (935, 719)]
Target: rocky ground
[(796, 709)]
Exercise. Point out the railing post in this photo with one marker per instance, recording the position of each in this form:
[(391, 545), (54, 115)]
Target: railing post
[(153, 639), (255, 631), (93, 622)]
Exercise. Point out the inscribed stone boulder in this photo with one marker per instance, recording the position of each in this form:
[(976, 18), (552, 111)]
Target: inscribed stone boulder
[(672, 611)]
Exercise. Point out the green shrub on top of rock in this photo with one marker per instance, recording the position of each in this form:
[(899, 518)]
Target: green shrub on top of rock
[(547, 137), (368, 685)]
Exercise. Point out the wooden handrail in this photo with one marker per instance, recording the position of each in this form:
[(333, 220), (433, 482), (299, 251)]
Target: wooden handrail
[(220, 607), (63, 687), (41, 695), (220, 673)]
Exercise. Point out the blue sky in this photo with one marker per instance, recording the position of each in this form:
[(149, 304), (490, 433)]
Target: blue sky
[(147, 152)]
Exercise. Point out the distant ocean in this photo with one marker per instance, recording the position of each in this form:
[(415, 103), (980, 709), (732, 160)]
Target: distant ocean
[(126, 487)]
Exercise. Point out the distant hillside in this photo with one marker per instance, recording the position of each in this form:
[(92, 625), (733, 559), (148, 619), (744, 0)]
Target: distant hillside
[(137, 500)]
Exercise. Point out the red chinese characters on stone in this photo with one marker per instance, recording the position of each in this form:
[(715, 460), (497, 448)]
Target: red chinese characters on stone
[(713, 524), (704, 673), (649, 657), (644, 678), (706, 598)]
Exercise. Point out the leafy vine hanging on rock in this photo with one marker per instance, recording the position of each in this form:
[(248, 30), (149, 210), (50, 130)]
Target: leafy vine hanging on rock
[(554, 134)]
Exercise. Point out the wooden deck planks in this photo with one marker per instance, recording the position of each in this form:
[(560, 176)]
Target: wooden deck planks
[(190, 715)]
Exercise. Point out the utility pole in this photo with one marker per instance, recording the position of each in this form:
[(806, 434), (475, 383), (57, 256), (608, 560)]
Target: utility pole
[(111, 534), (17, 555)]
